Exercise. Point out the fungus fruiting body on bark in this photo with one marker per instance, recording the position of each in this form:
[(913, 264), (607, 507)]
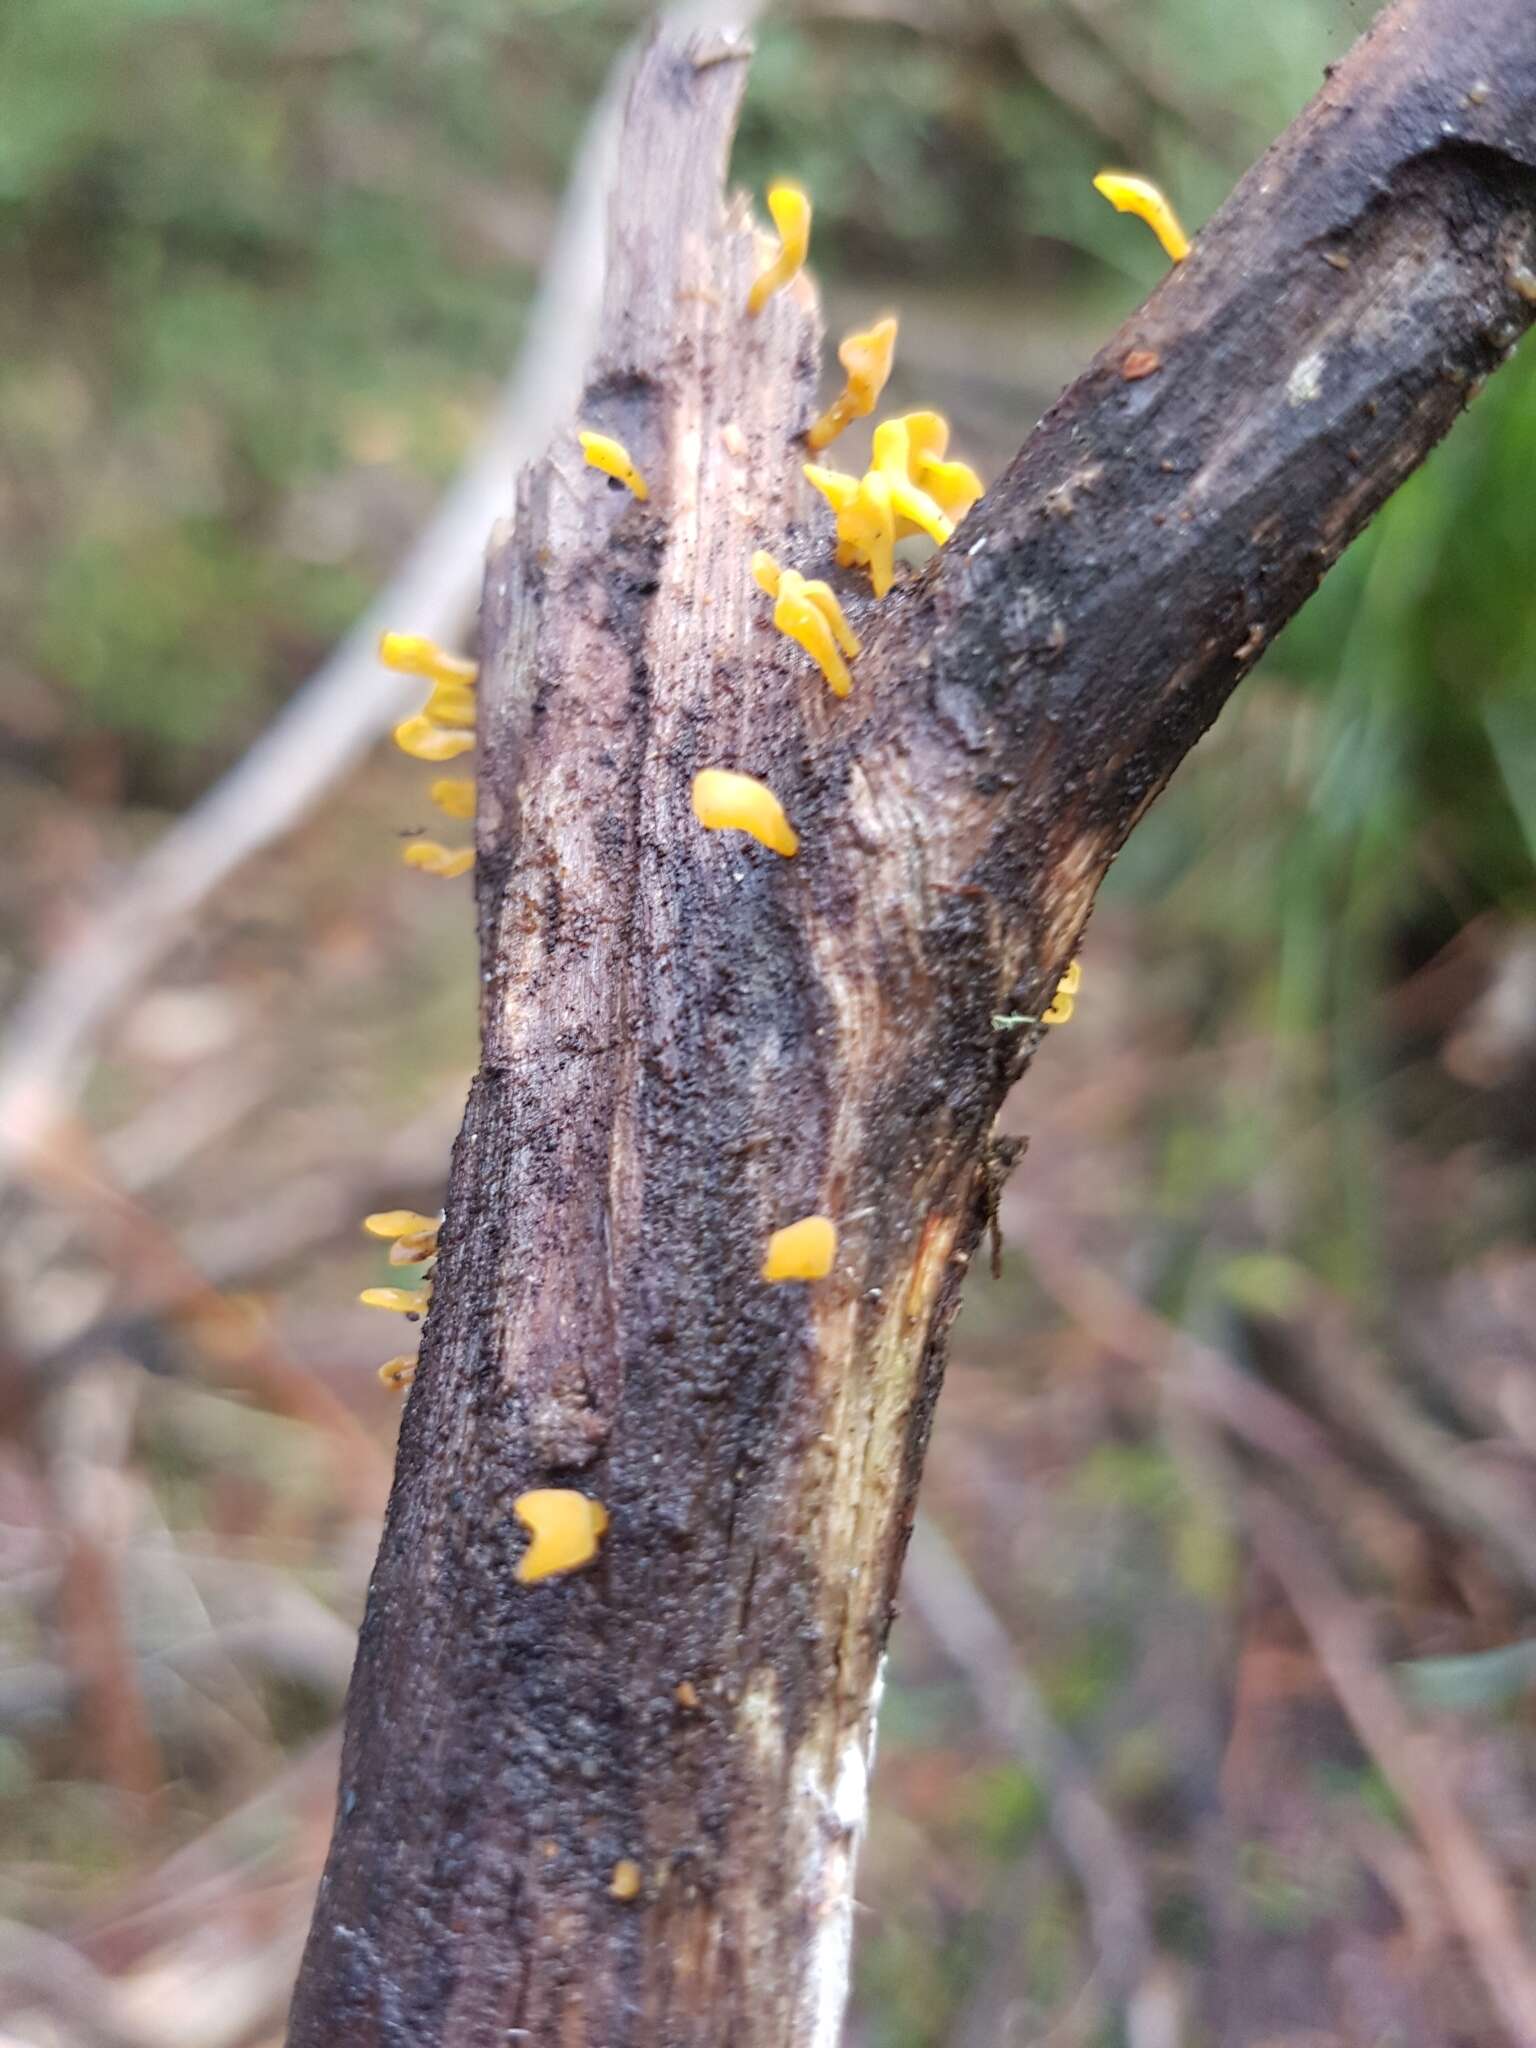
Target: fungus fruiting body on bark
[(909, 488), (454, 795), (566, 1528), (1064, 1002), (626, 1882), (1129, 194), (424, 741), (806, 1250), (791, 209), (397, 1374), (397, 1222), (724, 801), (433, 859), (866, 358), (401, 1301), (613, 459), (808, 612)]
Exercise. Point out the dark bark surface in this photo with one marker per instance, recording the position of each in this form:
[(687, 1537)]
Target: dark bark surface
[(689, 1041)]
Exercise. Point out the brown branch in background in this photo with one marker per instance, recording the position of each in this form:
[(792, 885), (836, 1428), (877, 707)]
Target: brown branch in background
[(1412, 1762), (623, 1807), (957, 1614)]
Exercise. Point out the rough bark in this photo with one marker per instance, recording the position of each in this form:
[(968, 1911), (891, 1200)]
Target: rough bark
[(689, 1041)]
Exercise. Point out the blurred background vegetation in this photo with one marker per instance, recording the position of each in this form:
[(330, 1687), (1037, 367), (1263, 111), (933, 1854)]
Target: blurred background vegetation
[(263, 267)]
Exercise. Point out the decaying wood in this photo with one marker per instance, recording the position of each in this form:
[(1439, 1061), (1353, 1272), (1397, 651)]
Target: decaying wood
[(689, 1041)]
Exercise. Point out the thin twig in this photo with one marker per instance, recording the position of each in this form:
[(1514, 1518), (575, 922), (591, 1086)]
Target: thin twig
[(961, 1620), (1410, 1759), (337, 715)]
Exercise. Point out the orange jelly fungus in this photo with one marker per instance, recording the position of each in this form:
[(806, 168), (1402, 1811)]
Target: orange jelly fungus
[(424, 741), (866, 358), (454, 795), (432, 859), (790, 206), (724, 801), (566, 1528), (1128, 194), (404, 1301), (806, 1250), (397, 1374), (411, 654), (810, 615), (626, 1880), (613, 459), (397, 1222)]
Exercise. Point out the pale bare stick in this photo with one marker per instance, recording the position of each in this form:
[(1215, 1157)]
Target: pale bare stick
[(338, 714)]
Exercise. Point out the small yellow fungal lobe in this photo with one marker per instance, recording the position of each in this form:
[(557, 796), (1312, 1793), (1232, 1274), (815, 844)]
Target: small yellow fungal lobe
[(626, 1880), (424, 741), (790, 206), (566, 1528), (806, 619), (1140, 196), (724, 801), (687, 1695), (450, 704), (867, 359), (432, 859), (454, 795), (806, 1250), (953, 486), (403, 1301), (893, 460), (613, 459), (875, 542), (765, 572), (410, 654), (397, 1374), (1071, 981), (397, 1223), (414, 1248)]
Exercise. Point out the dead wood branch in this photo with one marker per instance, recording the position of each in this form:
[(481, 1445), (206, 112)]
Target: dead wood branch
[(688, 1042)]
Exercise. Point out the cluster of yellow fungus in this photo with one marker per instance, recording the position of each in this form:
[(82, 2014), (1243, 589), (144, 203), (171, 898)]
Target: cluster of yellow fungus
[(866, 358), (790, 206), (1128, 194), (443, 729), (909, 488), (613, 459), (806, 1250), (565, 1527), (412, 1242), (808, 612)]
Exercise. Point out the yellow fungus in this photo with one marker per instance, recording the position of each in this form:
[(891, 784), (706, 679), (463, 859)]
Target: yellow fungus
[(410, 654), (876, 515), (397, 1374), (765, 572), (414, 1248), (450, 704), (791, 210), (424, 741), (626, 1880), (397, 1222), (565, 1528), (1071, 981), (726, 802), (953, 486), (613, 459), (866, 358), (402, 1301), (1140, 196), (455, 795), (804, 619), (432, 859), (840, 490), (893, 459), (801, 1251), (687, 1695)]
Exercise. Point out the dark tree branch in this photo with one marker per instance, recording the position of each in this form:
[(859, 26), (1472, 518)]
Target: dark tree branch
[(689, 1041)]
